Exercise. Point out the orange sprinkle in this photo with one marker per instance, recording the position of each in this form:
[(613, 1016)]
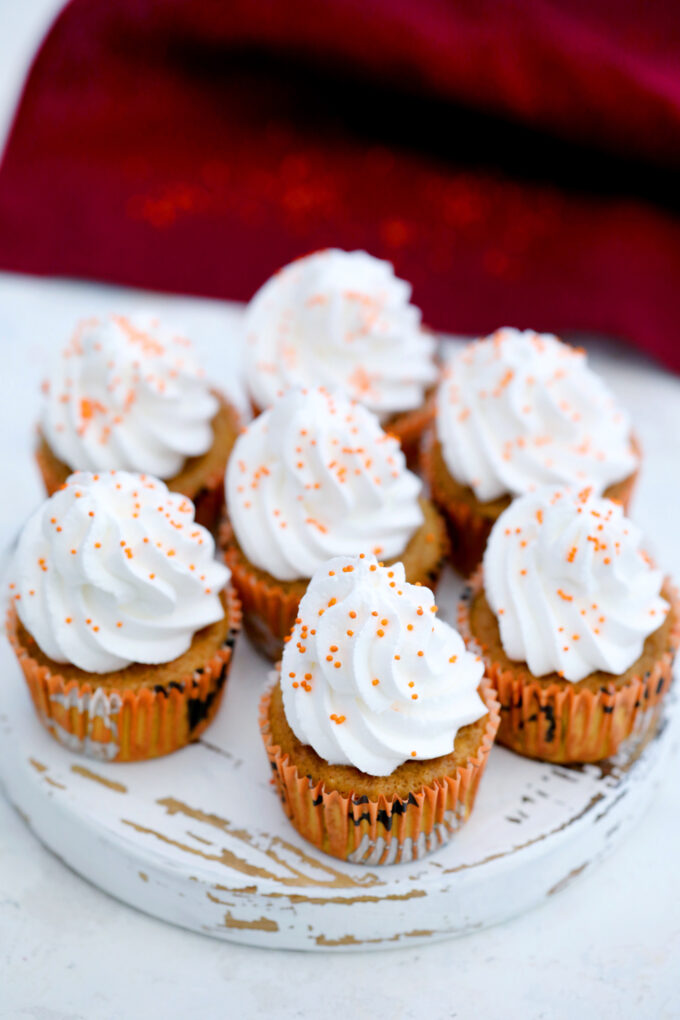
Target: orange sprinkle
[(415, 697), (454, 658), (68, 619), (338, 665), (375, 682), (563, 595)]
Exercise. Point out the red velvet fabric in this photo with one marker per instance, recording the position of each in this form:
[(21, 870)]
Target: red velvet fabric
[(182, 145)]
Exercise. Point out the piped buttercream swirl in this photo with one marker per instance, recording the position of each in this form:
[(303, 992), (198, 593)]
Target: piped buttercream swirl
[(112, 569), (571, 589), (315, 477), (521, 409), (127, 395), (371, 677), (342, 319)]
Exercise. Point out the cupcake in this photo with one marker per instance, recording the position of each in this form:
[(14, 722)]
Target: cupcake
[(127, 395), (516, 411), (379, 728), (343, 319), (121, 618), (316, 477), (577, 628)]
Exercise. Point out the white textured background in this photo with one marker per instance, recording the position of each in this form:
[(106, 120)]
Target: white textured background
[(606, 947)]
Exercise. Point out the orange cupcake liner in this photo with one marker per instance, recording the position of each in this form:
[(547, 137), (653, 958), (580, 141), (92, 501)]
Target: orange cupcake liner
[(468, 531), (269, 612), (121, 724), (561, 723), (387, 830)]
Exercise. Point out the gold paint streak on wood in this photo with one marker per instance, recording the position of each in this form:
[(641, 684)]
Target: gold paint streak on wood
[(301, 898), (530, 842), (260, 924), (350, 940), (53, 782), (144, 877), (111, 784), (346, 940), (38, 765), (331, 877), (230, 860), (200, 839), (564, 882)]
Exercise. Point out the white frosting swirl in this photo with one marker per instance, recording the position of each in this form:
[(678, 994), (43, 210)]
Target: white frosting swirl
[(517, 410), (571, 589), (113, 570), (371, 677), (315, 477), (338, 318), (127, 395)]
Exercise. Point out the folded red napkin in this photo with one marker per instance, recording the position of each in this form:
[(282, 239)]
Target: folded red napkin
[(195, 145)]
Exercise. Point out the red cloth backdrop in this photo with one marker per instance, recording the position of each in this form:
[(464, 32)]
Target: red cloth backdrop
[(196, 145)]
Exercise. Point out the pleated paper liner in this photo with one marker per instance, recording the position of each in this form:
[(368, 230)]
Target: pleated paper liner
[(387, 830), (270, 607), (112, 723), (468, 526), (561, 722)]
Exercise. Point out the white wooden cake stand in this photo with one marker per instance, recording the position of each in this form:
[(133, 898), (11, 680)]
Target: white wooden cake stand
[(199, 839)]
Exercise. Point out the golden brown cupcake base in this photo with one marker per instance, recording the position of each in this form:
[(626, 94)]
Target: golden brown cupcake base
[(270, 606), (469, 521), (376, 820), (136, 713), (554, 720), (201, 478), (410, 426)]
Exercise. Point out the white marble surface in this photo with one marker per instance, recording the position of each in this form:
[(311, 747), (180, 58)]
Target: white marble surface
[(606, 947)]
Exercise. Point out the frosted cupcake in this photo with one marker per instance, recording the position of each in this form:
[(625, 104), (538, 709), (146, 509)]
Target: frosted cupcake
[(577, 628), (121, 618), (379, 729), (315, 477), (343, 319), (127, 395), (516, 411)]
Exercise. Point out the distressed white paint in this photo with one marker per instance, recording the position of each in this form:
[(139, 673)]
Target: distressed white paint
[(205, 830)]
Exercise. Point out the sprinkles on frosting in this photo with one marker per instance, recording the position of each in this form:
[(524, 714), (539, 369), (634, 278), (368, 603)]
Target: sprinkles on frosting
[(579, 556), (406, 658)]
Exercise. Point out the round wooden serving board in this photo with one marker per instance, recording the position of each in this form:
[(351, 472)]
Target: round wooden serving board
[(199, 839)]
